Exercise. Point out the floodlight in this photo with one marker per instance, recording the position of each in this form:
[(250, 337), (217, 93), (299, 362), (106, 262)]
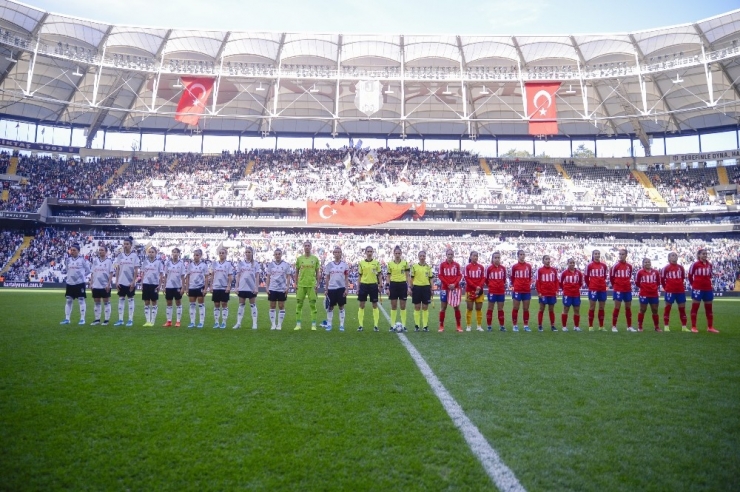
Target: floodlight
[(484, 91), (177, 85), (260, 88), (570, 90), (447, 91), (77, 72)]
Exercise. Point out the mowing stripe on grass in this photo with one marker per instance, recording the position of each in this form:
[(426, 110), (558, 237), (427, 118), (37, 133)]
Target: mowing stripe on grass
[(496, 469)]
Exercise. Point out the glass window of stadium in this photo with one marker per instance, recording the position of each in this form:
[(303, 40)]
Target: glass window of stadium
[(152, 142), (398, 143), (330, 143), (122, 141), (215, 144), (183, 143), (78, 137), (552, 148), (53, 135), (712, 142), (485, 148), (583, 148), (441, 145), (515, 148), (613, 147), (249, 143), (295, 143), (18, 130), (682, 145)]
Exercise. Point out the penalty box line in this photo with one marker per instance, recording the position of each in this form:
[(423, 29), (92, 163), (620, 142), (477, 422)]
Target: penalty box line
[(494, 466)]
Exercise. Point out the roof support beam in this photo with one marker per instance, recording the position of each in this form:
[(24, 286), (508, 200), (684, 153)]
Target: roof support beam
[(468, 105), (273, 90), (403, 87), (706, 45), (584, 88), (220, 60), (335, 123), (521, 63)]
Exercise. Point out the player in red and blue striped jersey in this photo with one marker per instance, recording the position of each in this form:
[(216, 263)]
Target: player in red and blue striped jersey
[(700, 278), (648, 283), (496, 280), (547, 285), (673, 280), (620, 276), (571, 281)]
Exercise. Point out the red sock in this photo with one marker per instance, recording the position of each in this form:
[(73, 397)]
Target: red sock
[(601, 318), (442, 313), (514, 316), (501, 317), (590, 317), (489, 317), (564, 319), (525, 316), (628, 313), (615, 316), (577, 320), (640, 319), (655, 320), (694, 312), (539, 318), (682, 314), (458, 315), (552, 318), (667, 314), (710, 314)]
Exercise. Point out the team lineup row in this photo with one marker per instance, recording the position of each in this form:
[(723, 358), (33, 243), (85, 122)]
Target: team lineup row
[(197, 278)]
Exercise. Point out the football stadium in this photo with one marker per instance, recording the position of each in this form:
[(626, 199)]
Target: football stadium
[(246, 260)]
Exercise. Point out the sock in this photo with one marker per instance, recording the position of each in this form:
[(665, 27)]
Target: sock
[(202, 312), (168, 311), (694, 312), (514, 316), (628, 313), (376, 316), (540, 315), (272, 317), (442, 317), (97, 310), (710, 314), (179, 313), (489, 317), (425, 318), (361, 315), (329, 318), (394, 315), (192, 312), (83, 308), (552, 318), (458, 316), (225, 314), (403, 317), (601, 318), (525, 317), (577, 320), (682, 314), (564, 319), (131, 304), (667, 314), (240, 314), (146, 313), (615, 316), (640, 319), (107, 310), (468, 317), (121, 300), (655, 320), (217, 314), (314, 311), (501, 317), (479, 317), (417, 318), (153, 313), (281, 317), (253, 308), (341, 317), (590, 317)]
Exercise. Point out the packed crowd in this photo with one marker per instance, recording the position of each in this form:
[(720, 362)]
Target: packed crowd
[(10, 240), (49, 248), (685, 187)]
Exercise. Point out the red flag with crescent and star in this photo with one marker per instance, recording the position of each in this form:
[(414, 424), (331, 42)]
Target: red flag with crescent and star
[(195, 94), (346, 212), (541, 108)]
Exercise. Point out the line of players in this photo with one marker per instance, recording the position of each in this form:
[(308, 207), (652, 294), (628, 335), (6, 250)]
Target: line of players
[(197, 278)]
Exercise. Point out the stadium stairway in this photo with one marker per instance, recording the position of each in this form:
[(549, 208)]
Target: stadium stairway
[(653, 193), (250, 167), (174, 164), (12, 169), (109, 181), (737, 285), (722, 175), (25, 244), (484, 165), (562, 171)]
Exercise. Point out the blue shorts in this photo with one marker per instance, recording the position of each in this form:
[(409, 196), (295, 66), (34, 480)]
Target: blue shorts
[(622, 296), (548, 300), (649, 300), (524, 296), (702, 295), (677, 298), (496, 297), (594, 295), (571, 301)]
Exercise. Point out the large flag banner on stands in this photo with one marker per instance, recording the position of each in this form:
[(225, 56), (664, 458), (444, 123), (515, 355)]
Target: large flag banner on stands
[(195, 94), (346, 212), (541, 108)]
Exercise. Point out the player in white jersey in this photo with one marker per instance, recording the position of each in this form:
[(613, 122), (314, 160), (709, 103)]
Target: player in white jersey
[(195, 283), (279, 278), (127, 270), (336, 275), (100, 283), (152, 276), (221, 276), (77, 271), (174, 285), (247, 285)]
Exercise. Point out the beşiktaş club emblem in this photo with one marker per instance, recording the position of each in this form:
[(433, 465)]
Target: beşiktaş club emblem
[(368, 96)]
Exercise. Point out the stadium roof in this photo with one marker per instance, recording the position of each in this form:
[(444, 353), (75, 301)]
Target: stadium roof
[(58, 69)]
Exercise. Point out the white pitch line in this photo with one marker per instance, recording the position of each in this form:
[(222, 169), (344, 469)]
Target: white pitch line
[(496, 469)]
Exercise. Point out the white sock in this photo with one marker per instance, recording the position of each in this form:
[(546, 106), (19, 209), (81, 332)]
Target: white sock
[(329, 318), (121, 300), (202, 312), (254, 314), (192, 312), (131, 305), (224, 314), (281, 317), (341, 317), (108, 309), (146, 313), (97, 309), (217, 314), (272, 317), (240, 314), (68, 309), (83, 308), (153, 313), (179, 313), (169, 313)]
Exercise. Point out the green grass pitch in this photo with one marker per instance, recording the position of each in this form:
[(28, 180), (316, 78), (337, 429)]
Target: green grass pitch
[(104, 408)]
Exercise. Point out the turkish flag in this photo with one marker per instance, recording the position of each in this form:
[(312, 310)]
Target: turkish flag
[(353, 213), (194, 97), (541, 108)]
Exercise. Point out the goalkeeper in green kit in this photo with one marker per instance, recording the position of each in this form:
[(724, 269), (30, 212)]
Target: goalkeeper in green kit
[(307, 269)]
